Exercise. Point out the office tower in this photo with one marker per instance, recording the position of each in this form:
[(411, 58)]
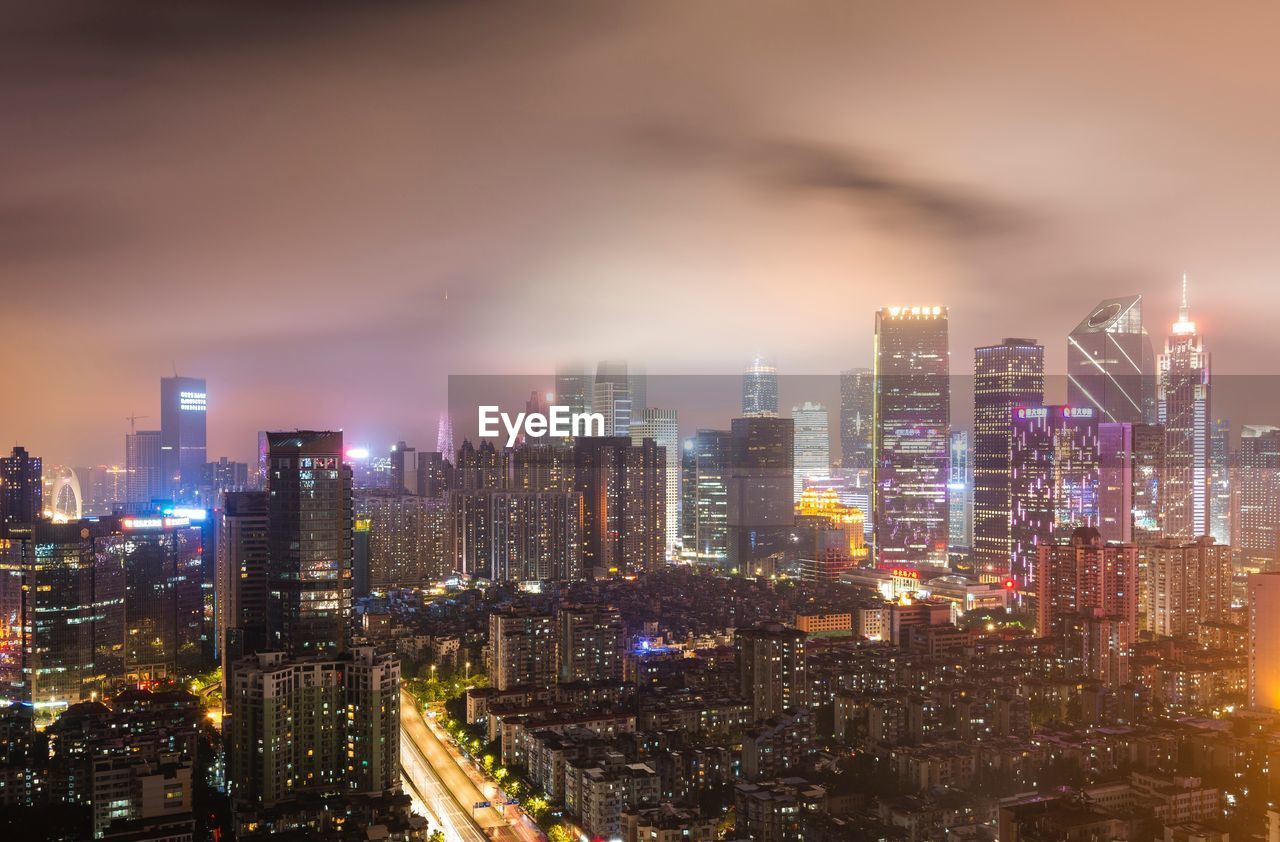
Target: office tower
[(812, 445), (662, 426), (623, 488), (1087, 593), (959, 501), (481, 469), (761, 490), (1110, 364), (1187, 583), (912, 422), (514, 536), (108, 489), (264, 459), (542, 465), (309, 538), (575, 388), (406, 537), (404, 468), (1006, 376), (242, 576), (857, 402), (224, 475), (612, 398), (832, 536), (590, 643), (444, 437), (522, 648), (1260, 497), (183, 406), (435, 474), (1183, 404), (1130, 472), (760, 389), (1054, 481), (704, 510), (1263, 611), (326, 727), (21, 489), (771, 668), (1220, 485), (142, 461)]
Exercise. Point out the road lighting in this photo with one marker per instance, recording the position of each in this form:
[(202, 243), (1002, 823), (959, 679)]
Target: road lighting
[(468, 670)]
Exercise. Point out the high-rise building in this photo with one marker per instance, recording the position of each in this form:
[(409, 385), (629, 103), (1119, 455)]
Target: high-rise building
[(309, 540), (1006, 376), (444, 437), (1110, 364), (705, 508), (404, 468), (1259, 497), (575, 388), (1087, 594), (812, 445), (623, 488), (959, 501), (1220, 484), (522, 648), (1054, 482), (1183, 389), (761, 489), (1187, 583), (21, 489), (241, 605), (183, 408), (1130, 472), (590, 642), (612, 396), (857, 404), (771, 668), (760, 389), (542, 465), (481, 469), (435, 473), (1263, 611), (406, 537), (514, 536), (144, 465), (912, 423), (662, 426)]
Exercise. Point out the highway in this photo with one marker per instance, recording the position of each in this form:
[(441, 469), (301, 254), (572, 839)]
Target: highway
[(444, 788)]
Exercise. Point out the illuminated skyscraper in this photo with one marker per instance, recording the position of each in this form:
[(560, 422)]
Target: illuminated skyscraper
[(1259, 474), (705, 508), (575, 388), (21, 489), (912, 423), (959, 501), (761, 478), (309, 542), (1130, 470), (1187, 583), (1110, 363), (406, 537), (591, 640), (143, 463), (183, 407), (1220, 484), (1054, 481), (760, 389), (623, 488), (242, 576), (1006, 376), (444, 438), (1263, 609), (771, 668), (612, 396), (812, 444), (662, 426), (1183, 390), (857, 403)]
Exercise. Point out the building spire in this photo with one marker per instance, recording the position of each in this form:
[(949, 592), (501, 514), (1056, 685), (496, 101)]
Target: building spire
[(1184, 325)]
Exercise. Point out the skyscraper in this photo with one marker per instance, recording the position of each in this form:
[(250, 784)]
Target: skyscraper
[(760, 389), (1006, 376), (1187, 583), (1260, 497), (444, 438), (1220, 484), (812, 444), (857, 404), (912, 423), (514, 536), (771, 668), (309, 542), (705, 509), (761, 495), (241, 615), (1130, 474), (183, 407), (1054, 481), (662, 426), (575, 388), (143, 463), (1110, 363), (623, 488), (522, 648), (1183, 401), (1263, 609), (21, 489), (612, 396), (959, 501), (406, 537), (590, 642)]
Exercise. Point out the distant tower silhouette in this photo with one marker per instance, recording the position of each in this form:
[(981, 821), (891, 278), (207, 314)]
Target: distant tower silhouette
[(444, 438)]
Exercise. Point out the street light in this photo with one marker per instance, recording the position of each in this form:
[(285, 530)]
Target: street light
[(468, 670)]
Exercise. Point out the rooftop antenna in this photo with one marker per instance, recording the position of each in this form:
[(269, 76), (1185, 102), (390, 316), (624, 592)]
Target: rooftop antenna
[(1184, 312)]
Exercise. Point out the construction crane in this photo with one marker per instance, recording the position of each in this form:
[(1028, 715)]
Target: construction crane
[(133, 422)]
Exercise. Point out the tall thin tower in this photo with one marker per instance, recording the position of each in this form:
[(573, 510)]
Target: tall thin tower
[(1183, 405)]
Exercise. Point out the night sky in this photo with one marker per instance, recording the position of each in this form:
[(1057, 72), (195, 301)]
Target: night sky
[(325, 209)]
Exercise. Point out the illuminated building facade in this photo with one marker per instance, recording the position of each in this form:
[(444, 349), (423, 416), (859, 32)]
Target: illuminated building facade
[(834, 534), (1187, 583), (1259, 497), (1263, 608), (760, 389), (1184, 394), (1110, 363), (1221, 505), (542, 465), (959, 501), (242, 576), (590, 643), (623, 489), (1006, 376), (522, 648), (1054, 481), (663, 427), (704, 512), (406, 537), (309, 543), (1130, 471), (812, 445), (613, 396), (912, 424), (183, 410), (574, 388), (21, 489), (144, 465), (857, 406), (761, 501), (771, 668)]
